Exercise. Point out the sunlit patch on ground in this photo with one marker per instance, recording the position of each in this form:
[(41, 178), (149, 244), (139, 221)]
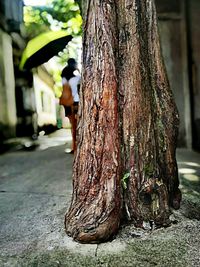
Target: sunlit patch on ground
[(191, 177), (60, 137), (186, 170), (193, 164)]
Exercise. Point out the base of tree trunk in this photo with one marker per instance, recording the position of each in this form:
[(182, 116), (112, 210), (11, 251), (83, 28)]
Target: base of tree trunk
[(128, 125), (92, 233)]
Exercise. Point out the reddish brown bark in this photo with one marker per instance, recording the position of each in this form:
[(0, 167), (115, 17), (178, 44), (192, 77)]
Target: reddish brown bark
[(128, 124), (96, 203), (149, 116)]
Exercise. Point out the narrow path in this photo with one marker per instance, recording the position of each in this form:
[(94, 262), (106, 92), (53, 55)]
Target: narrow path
[(35, 192)]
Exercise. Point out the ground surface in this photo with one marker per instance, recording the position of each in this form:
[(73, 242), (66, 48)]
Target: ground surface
[(35, 191)]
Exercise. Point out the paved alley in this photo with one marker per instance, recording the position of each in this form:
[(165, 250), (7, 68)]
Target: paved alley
[(35, 192)]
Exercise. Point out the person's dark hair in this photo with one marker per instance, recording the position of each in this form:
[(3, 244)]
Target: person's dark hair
[(72, 63), (68, 71)]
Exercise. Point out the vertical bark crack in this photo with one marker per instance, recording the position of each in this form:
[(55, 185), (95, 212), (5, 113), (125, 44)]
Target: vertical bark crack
[(128, 124)]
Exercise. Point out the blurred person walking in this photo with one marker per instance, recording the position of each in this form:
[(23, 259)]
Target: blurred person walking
[(70, 96)]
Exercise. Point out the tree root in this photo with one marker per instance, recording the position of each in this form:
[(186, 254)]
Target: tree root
[(93, 233)]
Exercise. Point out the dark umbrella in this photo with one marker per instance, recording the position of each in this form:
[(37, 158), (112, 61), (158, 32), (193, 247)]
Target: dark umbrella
[(43, 47)]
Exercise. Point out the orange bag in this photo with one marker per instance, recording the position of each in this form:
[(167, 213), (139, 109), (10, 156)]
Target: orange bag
[(66, 98)]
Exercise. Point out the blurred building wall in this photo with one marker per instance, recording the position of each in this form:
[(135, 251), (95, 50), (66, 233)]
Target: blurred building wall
[(174, 42), (194, 50), (11, 17), (8, 117), (44, 98), (179, 25)]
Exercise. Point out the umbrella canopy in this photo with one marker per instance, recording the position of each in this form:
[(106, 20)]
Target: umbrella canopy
[(43, 47)]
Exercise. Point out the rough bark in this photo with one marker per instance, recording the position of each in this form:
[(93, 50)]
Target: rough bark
[(96, 203), (128, 124), (148, 114)]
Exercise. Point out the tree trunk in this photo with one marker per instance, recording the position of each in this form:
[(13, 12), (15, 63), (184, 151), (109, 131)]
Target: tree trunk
[(128, 124), (96, 203)]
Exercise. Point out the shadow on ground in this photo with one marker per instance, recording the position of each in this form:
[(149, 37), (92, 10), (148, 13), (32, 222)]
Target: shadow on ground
[(35, 194)]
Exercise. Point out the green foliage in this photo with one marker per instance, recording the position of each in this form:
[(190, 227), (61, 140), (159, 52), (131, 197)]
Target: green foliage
[(58, 14), (72, 50), (56, 75), (125, 180)]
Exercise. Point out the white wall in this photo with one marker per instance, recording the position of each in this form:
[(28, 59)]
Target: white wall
[(8, 116), (45, 102)]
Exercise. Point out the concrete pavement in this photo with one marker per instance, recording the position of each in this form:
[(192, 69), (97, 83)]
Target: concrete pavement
[(35, 192)]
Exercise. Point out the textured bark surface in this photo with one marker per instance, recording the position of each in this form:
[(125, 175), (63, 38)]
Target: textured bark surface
[(96, 203), (149, 116), (128, 124)]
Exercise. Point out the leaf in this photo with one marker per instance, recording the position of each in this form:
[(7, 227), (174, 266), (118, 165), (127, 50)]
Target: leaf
[(125, 180)]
